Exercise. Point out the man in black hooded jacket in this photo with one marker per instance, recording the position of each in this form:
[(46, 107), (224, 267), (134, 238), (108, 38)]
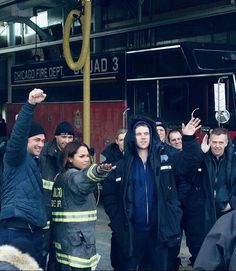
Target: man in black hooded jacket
[(140, 196)]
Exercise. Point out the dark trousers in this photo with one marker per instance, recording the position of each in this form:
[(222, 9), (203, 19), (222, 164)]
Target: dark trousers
[(193, 224), (25, 240), (174, 261), (148, 253), (116, 255), (49, 254)]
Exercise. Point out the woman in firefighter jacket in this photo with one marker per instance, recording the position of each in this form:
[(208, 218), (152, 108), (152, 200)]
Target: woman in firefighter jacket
[(74, 209)]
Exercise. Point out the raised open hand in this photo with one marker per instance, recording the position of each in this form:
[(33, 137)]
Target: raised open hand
[(191, 127), (205, 146)]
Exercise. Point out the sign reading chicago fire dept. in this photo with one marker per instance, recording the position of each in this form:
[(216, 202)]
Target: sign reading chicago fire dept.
[(100, 66)]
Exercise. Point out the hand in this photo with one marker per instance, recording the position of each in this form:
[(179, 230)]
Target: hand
[(105, 167), (205, 146), (36, 96), (191, 127), (227, 208)]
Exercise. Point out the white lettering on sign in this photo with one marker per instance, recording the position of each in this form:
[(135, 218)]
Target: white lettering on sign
[(55, 71), (39, 73), (101, 66), (104, 65), (24, 75), (115, 65), (97, 66)]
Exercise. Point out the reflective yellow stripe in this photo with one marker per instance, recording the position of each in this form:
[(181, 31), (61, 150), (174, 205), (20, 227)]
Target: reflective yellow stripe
[(92, 176), (47, 184), (47, 226), (74, 216), (76, 262)]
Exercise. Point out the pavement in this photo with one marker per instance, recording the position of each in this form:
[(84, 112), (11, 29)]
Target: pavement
[(103, 237)]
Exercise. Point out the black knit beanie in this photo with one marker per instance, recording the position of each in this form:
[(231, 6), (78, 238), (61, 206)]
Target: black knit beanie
[(64, 128), (160, 123), (36, 129)]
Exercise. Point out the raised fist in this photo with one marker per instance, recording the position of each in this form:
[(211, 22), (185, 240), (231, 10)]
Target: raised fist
[(36, 96)]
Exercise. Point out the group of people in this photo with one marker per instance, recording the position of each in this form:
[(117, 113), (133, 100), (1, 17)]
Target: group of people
[(167, 185), (47, 205), (155, 186)]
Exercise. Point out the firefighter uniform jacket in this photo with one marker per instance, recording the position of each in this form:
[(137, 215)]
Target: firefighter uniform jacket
[(74, 215)]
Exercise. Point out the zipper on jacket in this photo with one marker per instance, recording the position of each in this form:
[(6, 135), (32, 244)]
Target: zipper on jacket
[(146, 192), (217, 167)]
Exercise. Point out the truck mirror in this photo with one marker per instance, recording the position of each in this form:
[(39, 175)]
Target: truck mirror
[(221, 115)]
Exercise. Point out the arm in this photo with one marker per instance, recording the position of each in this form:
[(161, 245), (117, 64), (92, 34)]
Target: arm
[(16, 149), (191, 155), (84, 181)]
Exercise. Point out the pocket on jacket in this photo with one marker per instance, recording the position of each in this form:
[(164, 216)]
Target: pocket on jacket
[(78, 238)]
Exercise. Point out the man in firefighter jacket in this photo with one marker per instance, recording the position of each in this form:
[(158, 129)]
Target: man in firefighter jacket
[(140, 196), (74, 208), (50, 164)]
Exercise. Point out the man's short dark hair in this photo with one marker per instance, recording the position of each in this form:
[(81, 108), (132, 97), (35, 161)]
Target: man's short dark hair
[(219, 131), (175, 130)]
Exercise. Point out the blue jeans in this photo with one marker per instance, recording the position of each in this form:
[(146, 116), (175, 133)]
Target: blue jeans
[(25, 240)]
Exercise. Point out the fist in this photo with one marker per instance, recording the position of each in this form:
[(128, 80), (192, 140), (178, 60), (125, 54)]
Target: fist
[(36, 96)]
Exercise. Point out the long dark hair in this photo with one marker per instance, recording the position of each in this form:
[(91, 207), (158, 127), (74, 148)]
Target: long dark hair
[(69, 151)]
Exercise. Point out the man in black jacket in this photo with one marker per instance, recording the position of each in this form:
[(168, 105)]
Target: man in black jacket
[(112, 154), (192, 209), (115, 151), (50, 163), (213, 192), (140, 196)]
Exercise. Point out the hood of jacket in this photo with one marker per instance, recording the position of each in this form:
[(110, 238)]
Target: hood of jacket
[(11, 257), (130, 146)]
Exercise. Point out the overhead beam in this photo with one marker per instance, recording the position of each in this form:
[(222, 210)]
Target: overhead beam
[(188, 16)]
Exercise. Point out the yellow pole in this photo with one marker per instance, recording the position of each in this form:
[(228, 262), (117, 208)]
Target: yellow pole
[(86, 104), (82, 62)]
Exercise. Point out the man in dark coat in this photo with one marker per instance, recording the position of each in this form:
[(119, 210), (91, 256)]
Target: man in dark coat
[(23, 212), (50, 164), (192, 209), (115, 151), (112, 154), (213, 191), (140, 196), (219, 163)]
